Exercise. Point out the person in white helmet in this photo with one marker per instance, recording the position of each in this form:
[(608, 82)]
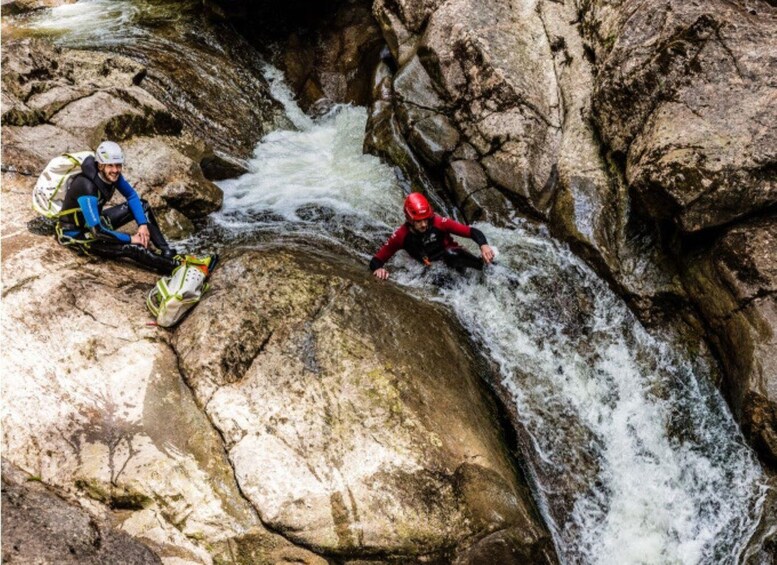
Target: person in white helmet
[(85, 223)]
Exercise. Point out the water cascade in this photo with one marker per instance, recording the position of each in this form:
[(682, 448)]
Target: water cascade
[(633, 452)]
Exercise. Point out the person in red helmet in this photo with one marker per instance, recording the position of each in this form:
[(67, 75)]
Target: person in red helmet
[(428, 237)]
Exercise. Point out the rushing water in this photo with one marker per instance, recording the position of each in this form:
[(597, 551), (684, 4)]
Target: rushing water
[(633, 454), (83, 24)]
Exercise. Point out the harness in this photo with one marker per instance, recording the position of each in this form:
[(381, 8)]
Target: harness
[(70, 217), (426, 247)]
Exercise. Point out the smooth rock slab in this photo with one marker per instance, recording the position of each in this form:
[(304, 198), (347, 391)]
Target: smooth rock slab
[(352, 413), (93, 401)]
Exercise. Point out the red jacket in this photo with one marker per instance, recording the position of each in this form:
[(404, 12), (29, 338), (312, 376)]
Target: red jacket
[(427, 246)]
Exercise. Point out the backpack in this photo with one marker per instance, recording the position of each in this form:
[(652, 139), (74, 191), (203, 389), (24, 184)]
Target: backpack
[(174, 296), (49, 191)]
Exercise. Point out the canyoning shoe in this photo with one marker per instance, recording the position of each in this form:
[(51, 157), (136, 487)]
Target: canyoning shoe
[(214, 260), (168, 252)]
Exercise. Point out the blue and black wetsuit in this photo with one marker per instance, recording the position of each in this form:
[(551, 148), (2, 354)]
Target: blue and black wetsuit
[(84, 221)]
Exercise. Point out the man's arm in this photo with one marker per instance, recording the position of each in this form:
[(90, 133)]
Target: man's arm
[(135, 205), (90, 210), (142, 236), (456, 228), (393, 244)]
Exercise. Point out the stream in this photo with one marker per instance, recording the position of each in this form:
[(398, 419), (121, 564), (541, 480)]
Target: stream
[(632, 453)]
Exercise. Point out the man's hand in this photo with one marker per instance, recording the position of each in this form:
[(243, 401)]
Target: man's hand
[(487, 253), (381, 273), (141, 236)]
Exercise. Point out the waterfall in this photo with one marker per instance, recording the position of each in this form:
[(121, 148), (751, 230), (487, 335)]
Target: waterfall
[(634, 454)]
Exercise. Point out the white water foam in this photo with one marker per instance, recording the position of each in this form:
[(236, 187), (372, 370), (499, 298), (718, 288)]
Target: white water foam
[(314, 179), (671, 479), (86, 22)]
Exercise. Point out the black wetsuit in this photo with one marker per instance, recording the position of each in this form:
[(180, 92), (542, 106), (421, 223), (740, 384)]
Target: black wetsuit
[(435, 244), (84, 222)]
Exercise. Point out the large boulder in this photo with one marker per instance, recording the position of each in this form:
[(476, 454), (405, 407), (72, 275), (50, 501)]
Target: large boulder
[(685, 93), (354, 415), (157, 166), (300, 412), (94, 403)]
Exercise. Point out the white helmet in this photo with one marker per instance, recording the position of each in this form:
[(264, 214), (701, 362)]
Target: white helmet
[(109, 153)]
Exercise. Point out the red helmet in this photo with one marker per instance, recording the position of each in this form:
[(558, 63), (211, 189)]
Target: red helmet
[(417, 207)]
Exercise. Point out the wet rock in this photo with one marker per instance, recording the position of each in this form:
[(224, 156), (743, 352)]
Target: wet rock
[(413, 85), (335, 59), (431, 134), (321, 107), (684, 91), (48, 78), (40, 526), (370, 443), (99, 407), (174, 224), (209, 77), (83, 98), (734, 284), (17, 113)]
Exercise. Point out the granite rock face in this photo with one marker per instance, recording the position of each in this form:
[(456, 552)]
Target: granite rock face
[(642, 134), (287, 430)]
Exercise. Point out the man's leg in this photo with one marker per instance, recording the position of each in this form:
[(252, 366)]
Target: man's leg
[(459, 258), (145, 257), (121, 215)]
